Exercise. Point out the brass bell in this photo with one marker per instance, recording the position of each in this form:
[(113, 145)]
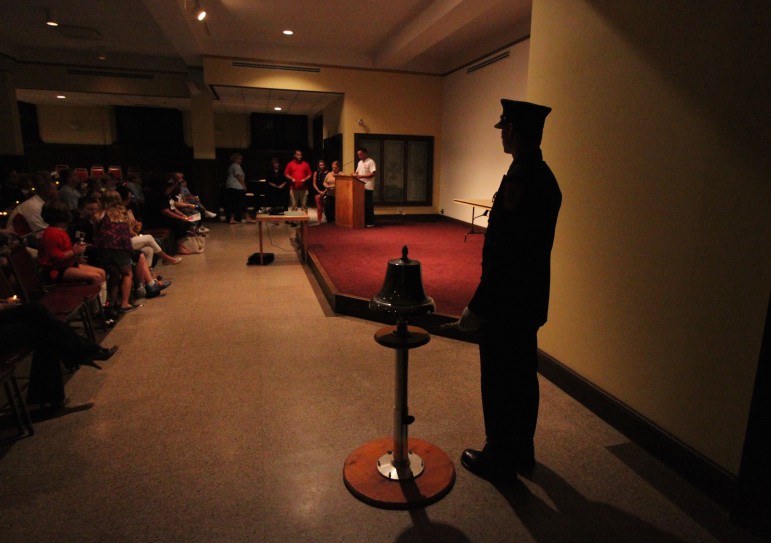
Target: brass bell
[(402, 292)]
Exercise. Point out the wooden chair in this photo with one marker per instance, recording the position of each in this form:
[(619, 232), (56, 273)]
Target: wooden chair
[(67, 302), (13, 392)]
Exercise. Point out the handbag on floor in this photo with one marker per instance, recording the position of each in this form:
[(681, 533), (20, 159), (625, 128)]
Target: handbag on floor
[(195, 244)]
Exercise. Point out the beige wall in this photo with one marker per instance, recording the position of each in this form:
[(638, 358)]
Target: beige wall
[(76, 125), (230, 130), (662, 261), (333, 118), (389, 103), (473, 160)]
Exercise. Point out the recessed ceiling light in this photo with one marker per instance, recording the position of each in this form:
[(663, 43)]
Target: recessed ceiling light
[(51, 18), (200, 13), (61, 96), (288, 32), (277, 108)]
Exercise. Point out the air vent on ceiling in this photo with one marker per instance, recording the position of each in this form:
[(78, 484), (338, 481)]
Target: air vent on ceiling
[(106, 73), (487, 62), (237, 64)]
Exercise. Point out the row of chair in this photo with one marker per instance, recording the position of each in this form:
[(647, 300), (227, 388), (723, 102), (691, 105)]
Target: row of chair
[(16, 401), (68, 303), (96, 171)]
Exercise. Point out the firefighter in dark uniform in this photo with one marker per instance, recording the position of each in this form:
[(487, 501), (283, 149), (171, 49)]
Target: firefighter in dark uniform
[(512, 298)]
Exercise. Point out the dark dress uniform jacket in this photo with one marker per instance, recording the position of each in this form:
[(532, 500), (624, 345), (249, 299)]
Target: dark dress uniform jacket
[(516, 256)]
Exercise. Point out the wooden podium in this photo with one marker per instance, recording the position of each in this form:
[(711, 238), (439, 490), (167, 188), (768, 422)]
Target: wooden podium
[(349, 202)]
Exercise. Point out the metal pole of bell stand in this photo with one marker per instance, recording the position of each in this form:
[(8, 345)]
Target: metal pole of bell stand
[(401, 457), (400, 463)]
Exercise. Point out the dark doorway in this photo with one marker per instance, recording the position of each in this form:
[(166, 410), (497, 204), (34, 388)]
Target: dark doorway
[(333, 150)]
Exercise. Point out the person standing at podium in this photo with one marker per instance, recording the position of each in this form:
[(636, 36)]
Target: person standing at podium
[(298, 172), (365, 172)]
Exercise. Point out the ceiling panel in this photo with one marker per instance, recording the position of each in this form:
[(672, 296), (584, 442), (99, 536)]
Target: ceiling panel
[(426, 36)]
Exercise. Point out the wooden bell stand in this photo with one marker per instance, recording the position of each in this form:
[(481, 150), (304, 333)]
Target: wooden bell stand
[(399, 472)]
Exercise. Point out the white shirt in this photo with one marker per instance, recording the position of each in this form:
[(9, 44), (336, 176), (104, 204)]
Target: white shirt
[(30, 209), (366, 167), (234, 172)]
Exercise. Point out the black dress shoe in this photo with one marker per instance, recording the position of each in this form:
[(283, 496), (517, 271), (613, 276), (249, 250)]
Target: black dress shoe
[(498, 468), (60, 404), (483, 465), (104, 353), (50, 406)]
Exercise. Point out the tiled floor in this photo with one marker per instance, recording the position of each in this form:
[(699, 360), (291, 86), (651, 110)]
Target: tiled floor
[(234, 400)]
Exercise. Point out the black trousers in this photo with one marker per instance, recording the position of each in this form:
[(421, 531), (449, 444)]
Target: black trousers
[(508, 356), (235, 203), (329, 209), (369, 207), (32, 326)]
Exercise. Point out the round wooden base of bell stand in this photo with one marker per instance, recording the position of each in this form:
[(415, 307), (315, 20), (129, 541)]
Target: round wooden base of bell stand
[(364, 481)]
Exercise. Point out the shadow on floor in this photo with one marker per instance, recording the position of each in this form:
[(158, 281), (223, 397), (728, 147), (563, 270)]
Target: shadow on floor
[(574, 517)]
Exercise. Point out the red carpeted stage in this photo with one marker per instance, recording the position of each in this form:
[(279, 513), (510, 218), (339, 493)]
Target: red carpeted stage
[(350, 264)]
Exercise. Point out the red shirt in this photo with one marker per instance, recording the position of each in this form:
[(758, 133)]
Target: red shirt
[(53, 246), (298, 172)]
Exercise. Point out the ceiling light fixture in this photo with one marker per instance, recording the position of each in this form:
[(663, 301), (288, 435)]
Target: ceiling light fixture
[(288, 32), (61, 96), (51, 18), (277, 108), (102, 54), (200, 13)]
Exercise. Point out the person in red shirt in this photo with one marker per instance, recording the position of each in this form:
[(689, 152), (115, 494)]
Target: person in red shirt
[(60, 260), (298, 172)]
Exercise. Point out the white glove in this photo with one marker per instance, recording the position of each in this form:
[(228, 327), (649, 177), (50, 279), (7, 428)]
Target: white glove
[(469, 322)]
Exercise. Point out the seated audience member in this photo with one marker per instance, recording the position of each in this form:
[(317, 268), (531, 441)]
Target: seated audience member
[(159, 213), (189, 198), (109, 182), (113, 239), (69, 190), (31, 209), (134, 184), (94, 184), (329, 185), (83, 227), (32, 326), (60, 260), (143, 242), (179, 204)]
